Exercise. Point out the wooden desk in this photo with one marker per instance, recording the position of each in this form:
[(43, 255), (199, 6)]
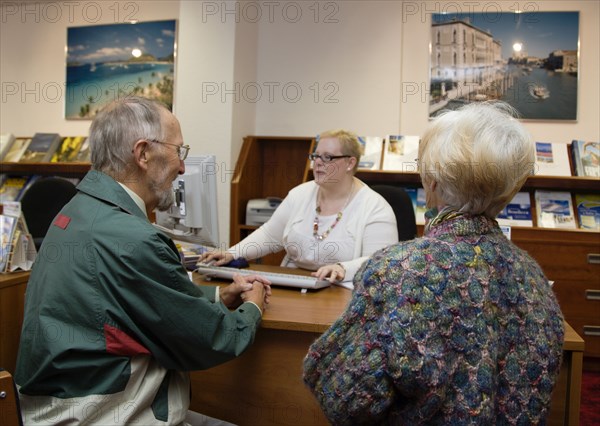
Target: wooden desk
[(12, 306), (567, 392), (264, 385)]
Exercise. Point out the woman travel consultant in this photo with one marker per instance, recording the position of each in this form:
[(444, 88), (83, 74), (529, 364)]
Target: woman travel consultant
[(329, 225)]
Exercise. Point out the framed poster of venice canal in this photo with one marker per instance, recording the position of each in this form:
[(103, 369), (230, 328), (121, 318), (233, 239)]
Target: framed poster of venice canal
[(106, 62), (529, 60)]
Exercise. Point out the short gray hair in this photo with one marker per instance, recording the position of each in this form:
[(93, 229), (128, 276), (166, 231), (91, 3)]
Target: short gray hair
[(479, 156), (349, 144), (117, 128)]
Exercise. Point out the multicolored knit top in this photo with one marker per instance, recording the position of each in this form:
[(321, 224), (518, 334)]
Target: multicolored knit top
[(457, 327)]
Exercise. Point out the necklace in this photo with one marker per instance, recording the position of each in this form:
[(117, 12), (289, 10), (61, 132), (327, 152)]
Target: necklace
[(338, 217)]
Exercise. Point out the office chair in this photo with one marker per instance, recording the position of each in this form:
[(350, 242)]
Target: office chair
[(403, 209), (10, 409), (42, 201)]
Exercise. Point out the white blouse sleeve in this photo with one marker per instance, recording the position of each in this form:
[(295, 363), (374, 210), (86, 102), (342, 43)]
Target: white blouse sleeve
[(380, 231), (269, 237)]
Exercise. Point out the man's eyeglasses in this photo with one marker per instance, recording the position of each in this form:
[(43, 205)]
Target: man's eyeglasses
[(326, 158), (182, 150)]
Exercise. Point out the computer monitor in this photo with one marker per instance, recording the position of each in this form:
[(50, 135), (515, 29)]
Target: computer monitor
[(193, 217)]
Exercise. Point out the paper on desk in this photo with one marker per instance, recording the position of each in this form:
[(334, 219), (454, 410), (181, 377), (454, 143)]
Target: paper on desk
[(345, 284)]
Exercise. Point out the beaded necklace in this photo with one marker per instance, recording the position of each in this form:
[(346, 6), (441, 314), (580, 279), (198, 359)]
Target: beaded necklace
[(338, 217)]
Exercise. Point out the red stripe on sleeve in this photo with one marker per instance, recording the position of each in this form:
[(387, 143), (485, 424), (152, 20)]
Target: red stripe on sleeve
[(120, 343)]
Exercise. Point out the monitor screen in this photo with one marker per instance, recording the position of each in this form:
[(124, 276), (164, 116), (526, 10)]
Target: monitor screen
[(193, 217)]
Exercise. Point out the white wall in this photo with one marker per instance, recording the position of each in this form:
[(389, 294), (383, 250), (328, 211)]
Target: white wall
[(347, 65), (351, 60), (206, 58), (377, 54), (33, 38)]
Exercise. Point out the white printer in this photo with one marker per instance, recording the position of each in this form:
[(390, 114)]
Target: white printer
[(259, 210)]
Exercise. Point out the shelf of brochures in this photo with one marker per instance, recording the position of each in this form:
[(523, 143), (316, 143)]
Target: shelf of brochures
[(572, 183), (567, 256)]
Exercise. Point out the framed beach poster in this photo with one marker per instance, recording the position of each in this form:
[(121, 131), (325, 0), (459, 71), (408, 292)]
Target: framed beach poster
[(106, 62), (529, 60)]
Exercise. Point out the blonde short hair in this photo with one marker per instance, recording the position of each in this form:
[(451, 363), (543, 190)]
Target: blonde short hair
[(479, 156), (349, 144)]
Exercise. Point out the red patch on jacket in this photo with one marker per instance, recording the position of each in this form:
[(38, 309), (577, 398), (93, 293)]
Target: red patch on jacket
[(120, 343), (62, 221)]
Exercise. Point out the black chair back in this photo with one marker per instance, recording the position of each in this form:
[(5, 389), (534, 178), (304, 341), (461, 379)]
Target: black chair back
[(403, 209), (42, 201)]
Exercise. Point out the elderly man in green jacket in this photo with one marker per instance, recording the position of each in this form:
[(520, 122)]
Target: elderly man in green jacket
[(112, 322)]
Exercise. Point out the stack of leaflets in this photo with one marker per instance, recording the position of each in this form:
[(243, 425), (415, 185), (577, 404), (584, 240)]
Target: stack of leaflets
[(552, 159), (16, 150), (190, 253), (588, 211), (12, 188), (41, 148), (586, 158), (554, 209), (6, 141), (68, 150), (400, 153), (17, 250), (371, 151), (417, 196), (517, 212)]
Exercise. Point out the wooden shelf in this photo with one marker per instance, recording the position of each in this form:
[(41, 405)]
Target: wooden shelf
[(555, 183), (571, 183), (46, 169), (268, 166), (271, 166)]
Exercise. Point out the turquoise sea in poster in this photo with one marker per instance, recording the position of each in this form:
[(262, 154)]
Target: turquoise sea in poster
[(105, 62), (94, 85)]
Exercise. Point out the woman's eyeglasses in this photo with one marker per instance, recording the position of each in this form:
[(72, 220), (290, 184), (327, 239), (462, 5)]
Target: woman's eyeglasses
[(326, 158)]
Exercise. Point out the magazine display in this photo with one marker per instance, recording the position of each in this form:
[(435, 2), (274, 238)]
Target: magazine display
[(371, 151), (400, 153), (554, 209), (552, 159)]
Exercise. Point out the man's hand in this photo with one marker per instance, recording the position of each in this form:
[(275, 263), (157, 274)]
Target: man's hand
[(246, 288)]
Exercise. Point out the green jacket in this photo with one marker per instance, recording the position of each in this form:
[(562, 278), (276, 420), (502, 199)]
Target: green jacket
[(113, 323)]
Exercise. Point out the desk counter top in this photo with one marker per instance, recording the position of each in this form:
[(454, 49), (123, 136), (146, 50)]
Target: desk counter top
[(13, 278), (290, 309)]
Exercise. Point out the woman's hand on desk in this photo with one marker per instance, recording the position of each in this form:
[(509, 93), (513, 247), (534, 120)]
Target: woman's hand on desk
[(217, 257), (246, 288), (333, 273)]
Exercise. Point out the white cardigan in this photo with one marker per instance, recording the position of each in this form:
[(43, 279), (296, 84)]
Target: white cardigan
[(368, 221)]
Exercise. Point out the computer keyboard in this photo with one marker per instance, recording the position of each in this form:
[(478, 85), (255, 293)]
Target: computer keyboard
[(276, 278)]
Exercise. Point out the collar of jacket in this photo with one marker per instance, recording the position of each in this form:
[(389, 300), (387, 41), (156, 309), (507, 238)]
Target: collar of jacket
[(103, 187)]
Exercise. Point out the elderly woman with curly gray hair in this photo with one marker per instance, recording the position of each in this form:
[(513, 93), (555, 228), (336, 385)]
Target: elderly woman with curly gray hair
[(459, 326)]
